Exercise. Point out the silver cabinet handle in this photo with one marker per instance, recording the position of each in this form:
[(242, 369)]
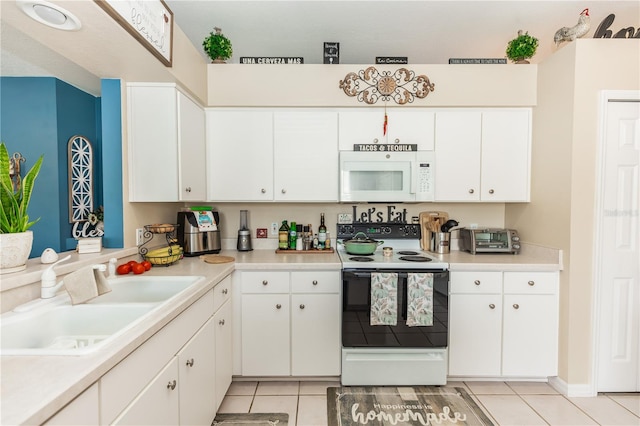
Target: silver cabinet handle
[(491, 191), (492, 306), (221, 322), (225, 291), (188, 189), (302, 306), (397, 141), (284, 191), (171, 385), (531, 283), (315, 282), (265, 282), (516, 306), (190, 362), (264, 191), (471, 191), (278, 306), (477, 282), (375, 140)]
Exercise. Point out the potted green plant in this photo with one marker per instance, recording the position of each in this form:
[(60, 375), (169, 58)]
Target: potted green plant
[(522, 48), (15, 238), (217, 46)]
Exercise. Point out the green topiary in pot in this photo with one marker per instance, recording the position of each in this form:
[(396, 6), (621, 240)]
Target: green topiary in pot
[(217, 46), (14, 204), (522, 48)]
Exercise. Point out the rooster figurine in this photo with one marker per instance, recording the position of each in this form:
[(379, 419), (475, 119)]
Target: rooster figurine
[(577, 31)]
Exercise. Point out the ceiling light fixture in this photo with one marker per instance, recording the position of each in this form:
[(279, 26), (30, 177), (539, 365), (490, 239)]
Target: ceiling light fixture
[(49, 14)]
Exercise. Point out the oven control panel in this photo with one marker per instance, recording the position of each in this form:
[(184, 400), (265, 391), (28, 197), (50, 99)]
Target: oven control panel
[(392, 230)]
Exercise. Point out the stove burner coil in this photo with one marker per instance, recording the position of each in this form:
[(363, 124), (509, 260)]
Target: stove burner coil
[(415, 258), (361, 259), (407, 253)]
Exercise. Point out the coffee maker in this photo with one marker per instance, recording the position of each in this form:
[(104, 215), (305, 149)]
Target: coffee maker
[(199, 231)]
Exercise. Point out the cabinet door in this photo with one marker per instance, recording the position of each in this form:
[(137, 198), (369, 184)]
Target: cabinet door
[(196, 377), (506, 137), (224, 351), (239, 155), (315, 334), (306, 156), (153, 148), (158, 403), (530, 337), (265, 335), (457, 174), (366, 126), (475, 334), (191, 150)]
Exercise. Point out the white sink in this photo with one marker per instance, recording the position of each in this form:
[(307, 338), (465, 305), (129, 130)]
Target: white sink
[(55, 327)]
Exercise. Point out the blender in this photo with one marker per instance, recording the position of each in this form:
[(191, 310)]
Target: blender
[(244, 234)]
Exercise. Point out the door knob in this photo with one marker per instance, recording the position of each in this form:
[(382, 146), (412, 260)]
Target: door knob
[(171, 385), (492, 306), (315, 282), (491, 191), (265, 282), (516, 306), (284, 191), (190, 362), (471, 191), (221, 322), (188, 189), (531, 283), (264, 191), (225, 291), (477, 282), (278, 306), (302, 306)]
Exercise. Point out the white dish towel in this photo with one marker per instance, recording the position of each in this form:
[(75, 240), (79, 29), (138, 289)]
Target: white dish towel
[(384, 298), (419, 299)]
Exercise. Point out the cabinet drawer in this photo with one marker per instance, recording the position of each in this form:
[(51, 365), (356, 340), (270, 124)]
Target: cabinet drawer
[(530, 282), (265, 282), (476, 282), (221, 292), (315, 282)]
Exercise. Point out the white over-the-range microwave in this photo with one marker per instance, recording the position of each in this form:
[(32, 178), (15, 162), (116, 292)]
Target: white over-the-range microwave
[(387, 176)]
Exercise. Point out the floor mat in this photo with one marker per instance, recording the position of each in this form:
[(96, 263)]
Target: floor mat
[(251, 419), (402, 406)]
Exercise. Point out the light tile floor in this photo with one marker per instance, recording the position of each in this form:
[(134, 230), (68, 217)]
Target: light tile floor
[(507, 403)]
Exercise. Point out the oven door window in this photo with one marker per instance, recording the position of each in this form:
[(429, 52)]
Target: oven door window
[(356, 307)]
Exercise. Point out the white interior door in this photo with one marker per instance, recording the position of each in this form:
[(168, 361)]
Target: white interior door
[(618, 277)]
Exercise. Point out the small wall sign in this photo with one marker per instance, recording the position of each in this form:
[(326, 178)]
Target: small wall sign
[(477, 60), (392, 60), (603, 30), (373, 215), (386, 147), (271, 60), (331, 54)]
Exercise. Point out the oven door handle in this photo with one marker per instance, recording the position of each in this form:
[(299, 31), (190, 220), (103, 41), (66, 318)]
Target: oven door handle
[(368, 274)]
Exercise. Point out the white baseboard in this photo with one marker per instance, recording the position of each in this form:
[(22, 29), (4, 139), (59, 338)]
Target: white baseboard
[(581, 390)]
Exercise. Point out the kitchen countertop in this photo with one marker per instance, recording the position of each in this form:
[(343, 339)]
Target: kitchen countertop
[(33, 388)]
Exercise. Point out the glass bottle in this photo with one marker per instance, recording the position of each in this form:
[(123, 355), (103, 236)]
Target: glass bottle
[(322, 233), (283, 236)]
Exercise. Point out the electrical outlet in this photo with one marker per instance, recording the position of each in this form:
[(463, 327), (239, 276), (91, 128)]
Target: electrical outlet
[(345, 218), (274, 229), (139, 236)]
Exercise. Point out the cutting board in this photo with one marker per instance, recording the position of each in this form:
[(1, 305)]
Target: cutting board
[(215, 258)]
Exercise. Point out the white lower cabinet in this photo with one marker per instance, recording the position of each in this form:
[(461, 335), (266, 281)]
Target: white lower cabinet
[(503, 324), (82, 411), (224, 351), (290, 323)]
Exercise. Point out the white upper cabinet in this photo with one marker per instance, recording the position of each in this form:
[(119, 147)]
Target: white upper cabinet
[(272, 155), (239, 155), (404, 126), (166, 144), (483, 155), (191, 150), (306, 156)]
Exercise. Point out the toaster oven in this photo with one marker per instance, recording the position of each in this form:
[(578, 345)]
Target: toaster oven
[(489, 240)]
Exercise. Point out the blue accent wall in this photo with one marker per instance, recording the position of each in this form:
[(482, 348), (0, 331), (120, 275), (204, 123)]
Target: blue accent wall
[(38, 116)]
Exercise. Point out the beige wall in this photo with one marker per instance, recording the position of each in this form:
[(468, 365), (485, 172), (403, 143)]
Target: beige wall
[(565, 144)]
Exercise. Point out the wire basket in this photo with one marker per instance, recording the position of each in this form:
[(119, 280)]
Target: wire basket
[(172, 257), (160, 228)]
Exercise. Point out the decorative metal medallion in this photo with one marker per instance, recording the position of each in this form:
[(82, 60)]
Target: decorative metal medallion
[(371, 85)]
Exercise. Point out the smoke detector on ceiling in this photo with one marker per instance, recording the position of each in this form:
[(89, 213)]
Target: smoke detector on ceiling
[(50, 14)]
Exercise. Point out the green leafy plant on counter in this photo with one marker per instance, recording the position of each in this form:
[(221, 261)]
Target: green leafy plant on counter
[(522, 47), (14, 204), (217, 46)]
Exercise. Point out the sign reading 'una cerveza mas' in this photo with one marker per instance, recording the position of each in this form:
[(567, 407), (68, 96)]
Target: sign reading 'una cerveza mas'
[(271, 60)]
